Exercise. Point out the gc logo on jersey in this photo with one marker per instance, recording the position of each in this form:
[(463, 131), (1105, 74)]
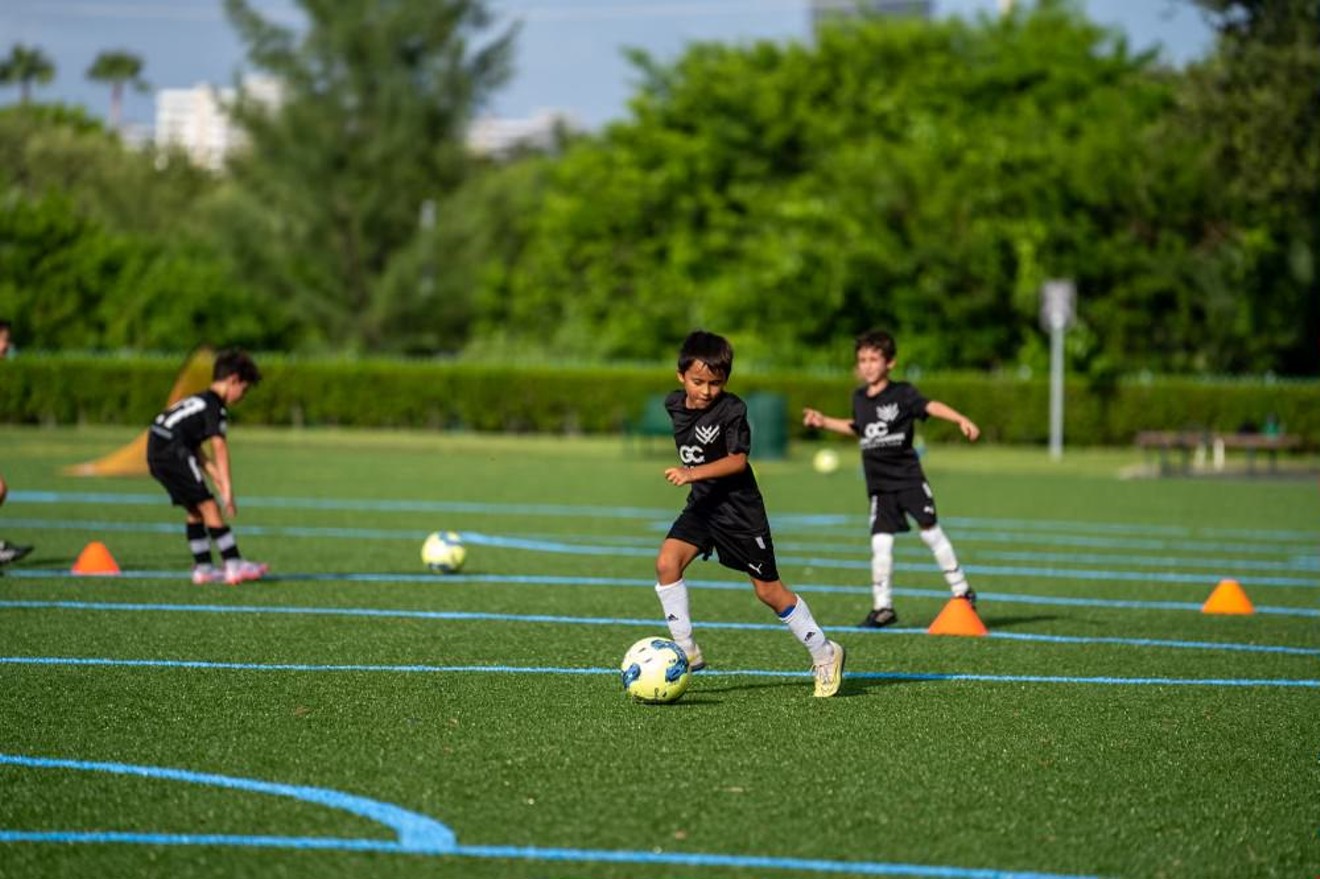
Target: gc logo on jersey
[(691, 455)]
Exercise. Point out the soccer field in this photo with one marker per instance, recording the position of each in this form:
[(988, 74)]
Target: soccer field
[(355, 715)]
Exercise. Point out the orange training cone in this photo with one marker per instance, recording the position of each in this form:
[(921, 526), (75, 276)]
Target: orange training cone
[(95, 559), (1228, 597), (958, 618)]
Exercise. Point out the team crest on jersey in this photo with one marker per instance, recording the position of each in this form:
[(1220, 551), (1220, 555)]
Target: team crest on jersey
[(887, 412), (706, 435)]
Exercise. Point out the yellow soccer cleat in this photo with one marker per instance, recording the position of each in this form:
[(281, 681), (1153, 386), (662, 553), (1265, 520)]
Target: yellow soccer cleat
[(829, 674)]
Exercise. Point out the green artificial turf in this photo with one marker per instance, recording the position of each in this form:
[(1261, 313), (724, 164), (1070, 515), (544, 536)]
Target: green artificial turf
[(487, 701)]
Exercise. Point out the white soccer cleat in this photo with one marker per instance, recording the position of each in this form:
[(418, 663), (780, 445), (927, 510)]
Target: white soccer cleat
[(695, 660), (241, 571), (204, 574), (829, 674)]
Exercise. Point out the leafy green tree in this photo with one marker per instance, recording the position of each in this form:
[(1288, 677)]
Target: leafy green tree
[(1256, 103), (374, 100), (118, 68), (24, 66)]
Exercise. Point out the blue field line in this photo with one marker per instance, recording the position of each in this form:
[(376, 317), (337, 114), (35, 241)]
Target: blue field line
[(420, 835), (564, 580), (561, 547), (104, 662), (474, 616), (1214, 539), (645, 548)]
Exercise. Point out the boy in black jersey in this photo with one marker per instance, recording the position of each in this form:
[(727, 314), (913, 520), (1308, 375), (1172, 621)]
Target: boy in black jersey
[(725, 511), (176, 460), (884, 413)]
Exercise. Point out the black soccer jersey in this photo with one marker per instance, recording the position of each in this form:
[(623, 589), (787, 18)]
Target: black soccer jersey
[(733, 503), (182, 428), (884, 426)]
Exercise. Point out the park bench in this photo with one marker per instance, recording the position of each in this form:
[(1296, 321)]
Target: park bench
[(1194, 448)]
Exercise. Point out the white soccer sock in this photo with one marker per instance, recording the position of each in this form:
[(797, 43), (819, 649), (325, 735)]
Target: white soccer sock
[(803, 626), (882, 570), (939, 544), (674, 601)]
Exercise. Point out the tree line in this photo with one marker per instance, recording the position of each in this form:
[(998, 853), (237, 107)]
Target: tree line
[(924, 176)]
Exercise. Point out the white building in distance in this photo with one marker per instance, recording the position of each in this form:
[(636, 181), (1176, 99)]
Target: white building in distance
[(197, 120)]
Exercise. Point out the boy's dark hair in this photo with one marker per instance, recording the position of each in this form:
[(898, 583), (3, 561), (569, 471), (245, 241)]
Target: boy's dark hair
[(880, 341), (235, 362), (712, 350), (5, 325)]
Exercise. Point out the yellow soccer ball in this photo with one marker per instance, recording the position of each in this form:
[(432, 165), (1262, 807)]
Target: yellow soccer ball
[(443, 552), (655, 670)]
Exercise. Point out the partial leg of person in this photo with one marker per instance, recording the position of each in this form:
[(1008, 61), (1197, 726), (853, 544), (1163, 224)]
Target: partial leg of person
[(10, 552), (671, 588), (942, 549), (882, 587), (827, 657), (237, 569)]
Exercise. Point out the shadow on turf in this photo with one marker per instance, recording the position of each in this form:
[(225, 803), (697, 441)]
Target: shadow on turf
[(1010, 622)]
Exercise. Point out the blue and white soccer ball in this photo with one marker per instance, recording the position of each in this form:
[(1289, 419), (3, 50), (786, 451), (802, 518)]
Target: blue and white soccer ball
[(655, 670), (443, 552)]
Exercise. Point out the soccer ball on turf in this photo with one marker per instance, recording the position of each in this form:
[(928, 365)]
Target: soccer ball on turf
[(825, 461), (444, 552), (655, 670)]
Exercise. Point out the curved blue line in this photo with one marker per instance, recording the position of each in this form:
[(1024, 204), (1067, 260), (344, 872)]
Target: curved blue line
[(416, 833), (465, 616), (614, 672)]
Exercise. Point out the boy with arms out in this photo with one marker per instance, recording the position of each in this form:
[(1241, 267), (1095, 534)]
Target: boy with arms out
[(176, 460), (725, 511), (884, 413)]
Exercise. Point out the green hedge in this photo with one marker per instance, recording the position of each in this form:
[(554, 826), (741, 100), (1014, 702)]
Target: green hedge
[(77, 389)]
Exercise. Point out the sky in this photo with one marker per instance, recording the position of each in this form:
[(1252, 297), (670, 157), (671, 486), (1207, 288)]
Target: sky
[(568, 57)]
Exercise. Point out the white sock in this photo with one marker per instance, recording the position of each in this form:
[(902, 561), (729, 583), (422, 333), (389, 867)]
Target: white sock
[(882, 569), (674, 602), (944, 557), (803, 626)]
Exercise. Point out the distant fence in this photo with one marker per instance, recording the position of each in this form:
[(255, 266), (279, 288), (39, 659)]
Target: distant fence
[(90, 389)]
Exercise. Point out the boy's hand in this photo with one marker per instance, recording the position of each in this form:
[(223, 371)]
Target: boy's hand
[(678, 476), (969, 429), (231, 510), (812, 418)]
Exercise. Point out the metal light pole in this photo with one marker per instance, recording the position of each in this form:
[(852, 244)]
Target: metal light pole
[(1058, 305)]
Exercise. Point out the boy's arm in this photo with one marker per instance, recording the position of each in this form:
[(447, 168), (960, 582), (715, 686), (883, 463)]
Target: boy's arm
[(948, 413), (726, 466), (815, 418), (219, 473)]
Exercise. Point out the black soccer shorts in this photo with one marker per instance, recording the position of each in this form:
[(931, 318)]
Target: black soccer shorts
[(750, 554), (181, 476), (890, 509)]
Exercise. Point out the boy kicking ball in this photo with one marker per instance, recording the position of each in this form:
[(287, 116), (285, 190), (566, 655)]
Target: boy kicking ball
[(725, 512)]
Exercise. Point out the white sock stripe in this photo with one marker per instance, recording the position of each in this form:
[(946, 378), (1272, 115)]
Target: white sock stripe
[(226, 541), (196, 547)]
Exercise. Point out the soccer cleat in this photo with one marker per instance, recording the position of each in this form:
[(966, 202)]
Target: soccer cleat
[(241, 571), (12, 552), (696, 662), (970, 596), (203, 574), (878, 619), (829, 674)]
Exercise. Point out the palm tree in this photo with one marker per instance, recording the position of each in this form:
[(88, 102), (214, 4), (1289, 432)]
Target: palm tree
[(26, 65), (117, 68)]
